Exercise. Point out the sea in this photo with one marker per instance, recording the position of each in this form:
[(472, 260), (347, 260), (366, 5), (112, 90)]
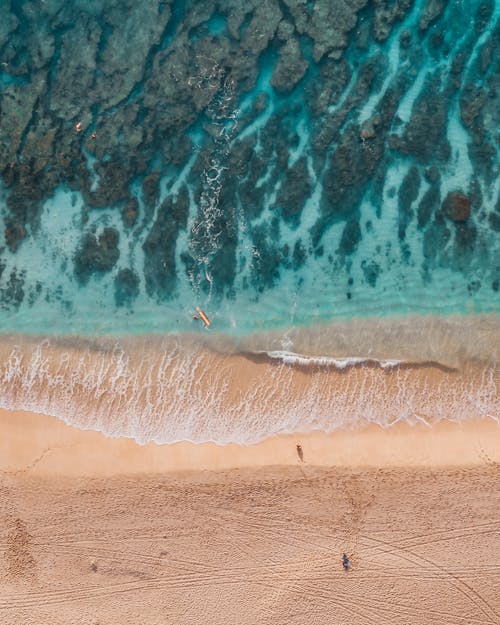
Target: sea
[(319, 178)]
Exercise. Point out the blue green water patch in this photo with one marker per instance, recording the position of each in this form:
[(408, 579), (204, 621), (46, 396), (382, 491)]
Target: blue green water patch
[(275, 163)]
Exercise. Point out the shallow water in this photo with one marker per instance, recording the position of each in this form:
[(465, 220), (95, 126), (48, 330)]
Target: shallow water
[(285, 166)]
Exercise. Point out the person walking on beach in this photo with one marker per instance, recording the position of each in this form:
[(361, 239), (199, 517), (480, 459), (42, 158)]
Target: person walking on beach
[(300, 452)]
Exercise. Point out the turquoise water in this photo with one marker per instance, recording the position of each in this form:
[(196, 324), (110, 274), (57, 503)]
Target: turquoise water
[(280, 164), (246, 184)]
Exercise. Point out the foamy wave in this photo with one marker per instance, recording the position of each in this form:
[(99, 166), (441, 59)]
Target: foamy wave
[(167, 391), (291, 358)]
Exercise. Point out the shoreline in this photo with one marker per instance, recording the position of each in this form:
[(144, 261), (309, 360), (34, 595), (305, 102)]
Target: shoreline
[(172, 390), (39, 445), (413, 338)]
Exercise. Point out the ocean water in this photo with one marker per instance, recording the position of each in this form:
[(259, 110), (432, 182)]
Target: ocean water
[(321, 179)]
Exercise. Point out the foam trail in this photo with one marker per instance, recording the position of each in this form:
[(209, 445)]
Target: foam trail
[(291, 358), (172, 390)]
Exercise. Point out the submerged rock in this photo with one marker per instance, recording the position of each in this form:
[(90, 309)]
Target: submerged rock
[(407, 194), (371, 271), (13, 291), (367, 129), (432, 174), (151, 189), (130, 212), (299, 255), (294, 191), (351, 238), (290, 67), (159, 247), (386, 13), (126, 287), (15, 233), (432, 10), (456, 206), (330, 24), (425, 136), (96, 254), (108, 99)]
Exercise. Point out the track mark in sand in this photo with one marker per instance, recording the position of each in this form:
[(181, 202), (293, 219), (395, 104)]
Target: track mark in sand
[(386, 605), (420, 540), (485, 456), (20, 560), (35, 461), (457, 582)]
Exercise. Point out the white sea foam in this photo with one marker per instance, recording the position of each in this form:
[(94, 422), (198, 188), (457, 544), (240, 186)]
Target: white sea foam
[(290, 358), (167, 391)]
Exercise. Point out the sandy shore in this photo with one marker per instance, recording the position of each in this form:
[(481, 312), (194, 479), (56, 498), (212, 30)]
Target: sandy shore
[(103, 531), (39, 445), (178, 388)]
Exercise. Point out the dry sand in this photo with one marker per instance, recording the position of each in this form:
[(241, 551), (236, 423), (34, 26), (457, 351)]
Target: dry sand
[(96, 530)]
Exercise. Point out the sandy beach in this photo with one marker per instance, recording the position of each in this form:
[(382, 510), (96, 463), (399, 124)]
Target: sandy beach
[(177, 388), (97, 530)]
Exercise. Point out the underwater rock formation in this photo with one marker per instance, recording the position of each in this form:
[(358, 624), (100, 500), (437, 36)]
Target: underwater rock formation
[(96, 254), (221, 121), (456, 206)]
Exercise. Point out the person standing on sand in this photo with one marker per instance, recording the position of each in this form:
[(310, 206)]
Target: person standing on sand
[(300, 452)]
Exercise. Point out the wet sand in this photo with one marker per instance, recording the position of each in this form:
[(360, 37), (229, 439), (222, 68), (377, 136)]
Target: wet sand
[(174, 388), (96, 530)]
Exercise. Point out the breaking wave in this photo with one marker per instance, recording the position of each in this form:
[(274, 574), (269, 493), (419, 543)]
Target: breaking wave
[(290, 358), (174, 389)]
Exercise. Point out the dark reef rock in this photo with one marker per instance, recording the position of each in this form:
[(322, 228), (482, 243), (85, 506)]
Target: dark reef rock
[(369, 127), (290, 67), (330, 24), (350, 171), (333, 76), (15, 233), (472, 101), (130, 212), (222, 263), (294, 191), (405, 39), (432, 11), (386, 13), (113, 184), (351, 237), (96, 254), (159, 247), (456, 206), (151, 189), (299, 255), (483, 15), (371, 271), (465, 236), (126, 102), (425, 135), (245, 160), (126, 287), (12, 294), (407, 194), (432, 175)]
